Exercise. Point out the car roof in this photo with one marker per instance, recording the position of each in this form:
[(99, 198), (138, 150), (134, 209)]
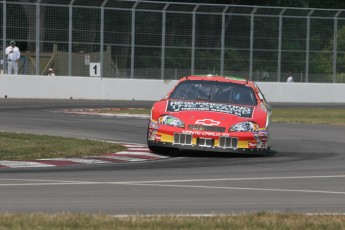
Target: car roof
[(210, 77)]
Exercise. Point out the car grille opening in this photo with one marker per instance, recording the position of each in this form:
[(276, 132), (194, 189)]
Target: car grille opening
[(205, 142), (182, 138), (228, 142), (206, 128)]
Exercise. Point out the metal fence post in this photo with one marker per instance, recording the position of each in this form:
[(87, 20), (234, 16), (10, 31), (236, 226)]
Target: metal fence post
[(38, 21), (193, 39), (251, 43), (280, 45), (222, 49), (163, 41), (133, 39), (335, 40), (70, 34), (102, 39), (307, 47)]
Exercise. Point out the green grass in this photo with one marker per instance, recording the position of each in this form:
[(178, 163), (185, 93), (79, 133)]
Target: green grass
[(309, 115), (280, 115), (26, 146), (255, 221), (16, 146)]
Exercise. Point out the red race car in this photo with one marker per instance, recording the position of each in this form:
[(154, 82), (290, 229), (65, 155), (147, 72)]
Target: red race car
[(211, 113)]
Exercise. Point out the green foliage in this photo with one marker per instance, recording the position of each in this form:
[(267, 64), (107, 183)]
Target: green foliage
[(148, 37), (260, 221), (322, 62), (15, 146), (309, 115), (341, 50)]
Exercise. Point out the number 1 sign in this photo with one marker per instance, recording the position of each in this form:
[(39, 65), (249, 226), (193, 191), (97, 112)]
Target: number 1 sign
[(95, 69)]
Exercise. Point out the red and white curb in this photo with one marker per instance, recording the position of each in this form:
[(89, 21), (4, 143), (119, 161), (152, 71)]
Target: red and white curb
[(134, 153)]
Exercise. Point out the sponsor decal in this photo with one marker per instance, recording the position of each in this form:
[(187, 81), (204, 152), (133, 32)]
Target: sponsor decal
[(208, 122), (157, 137), (153, 125), (151, 135), (252, 144), (206, 133), (262, 145), (241, 111), (263, 133), (263, 139)]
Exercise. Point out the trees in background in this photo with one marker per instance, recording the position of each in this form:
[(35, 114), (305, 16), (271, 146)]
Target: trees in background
[(54, 26)]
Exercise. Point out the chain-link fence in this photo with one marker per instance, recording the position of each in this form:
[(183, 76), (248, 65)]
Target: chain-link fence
[(166, 40)]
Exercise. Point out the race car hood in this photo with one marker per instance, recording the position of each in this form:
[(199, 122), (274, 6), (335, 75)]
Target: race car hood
[(179, 106), (208, 113)]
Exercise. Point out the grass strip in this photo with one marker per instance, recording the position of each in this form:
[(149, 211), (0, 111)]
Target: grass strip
[(256, 221), (16, 146), (329, 116)]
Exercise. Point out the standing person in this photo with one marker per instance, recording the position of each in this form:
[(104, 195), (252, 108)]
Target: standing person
[(51, 72), (13, 55), (290, 78)]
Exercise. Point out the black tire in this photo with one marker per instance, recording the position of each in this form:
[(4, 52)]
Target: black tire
[(156, 149), (268, 152)]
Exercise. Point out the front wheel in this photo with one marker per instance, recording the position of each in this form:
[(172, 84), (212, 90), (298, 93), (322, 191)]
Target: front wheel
[(156, 149), (268, 152)]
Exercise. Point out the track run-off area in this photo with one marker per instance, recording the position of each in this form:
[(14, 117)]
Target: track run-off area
[(305, 174)]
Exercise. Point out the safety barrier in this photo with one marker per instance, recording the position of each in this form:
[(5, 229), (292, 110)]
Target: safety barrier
[(63, 87)]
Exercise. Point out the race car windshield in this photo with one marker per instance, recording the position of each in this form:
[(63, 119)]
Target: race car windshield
[(213, 91)]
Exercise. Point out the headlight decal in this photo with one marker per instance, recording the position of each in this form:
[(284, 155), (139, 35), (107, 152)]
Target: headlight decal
[(247, 126), (268, 120), (170, 120)]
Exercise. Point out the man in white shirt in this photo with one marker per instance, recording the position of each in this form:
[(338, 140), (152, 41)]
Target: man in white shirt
[(51, 72), (13, 55), (290, 78)]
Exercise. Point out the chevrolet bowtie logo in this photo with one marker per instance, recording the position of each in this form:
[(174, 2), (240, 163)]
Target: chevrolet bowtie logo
[(208, 122)]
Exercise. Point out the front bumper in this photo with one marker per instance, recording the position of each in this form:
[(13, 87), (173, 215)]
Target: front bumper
[(236, 142), (208, 149)]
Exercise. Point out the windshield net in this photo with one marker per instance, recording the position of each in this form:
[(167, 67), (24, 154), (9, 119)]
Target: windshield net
[(214, 91)]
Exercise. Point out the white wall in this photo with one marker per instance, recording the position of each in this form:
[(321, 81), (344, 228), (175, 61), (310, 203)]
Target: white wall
[(303, 92), (59, 87)]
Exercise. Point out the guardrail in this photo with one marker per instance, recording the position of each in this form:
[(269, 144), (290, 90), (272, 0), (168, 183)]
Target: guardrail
[(66, 87)]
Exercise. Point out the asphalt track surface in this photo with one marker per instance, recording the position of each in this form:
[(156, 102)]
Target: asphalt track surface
[(305, 174)]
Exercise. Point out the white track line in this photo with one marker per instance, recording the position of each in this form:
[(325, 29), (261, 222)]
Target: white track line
[(159, 184)]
